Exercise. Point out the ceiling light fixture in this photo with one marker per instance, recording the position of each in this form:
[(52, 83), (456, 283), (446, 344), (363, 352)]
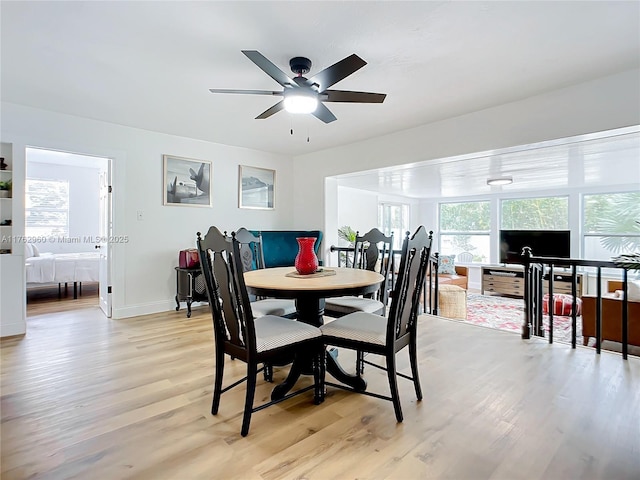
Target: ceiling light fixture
[(300, 102), (500, 181)]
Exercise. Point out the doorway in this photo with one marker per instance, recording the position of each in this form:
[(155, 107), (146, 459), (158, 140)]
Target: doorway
[(67, 229)]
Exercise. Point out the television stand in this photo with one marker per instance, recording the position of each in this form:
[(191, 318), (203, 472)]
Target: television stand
[(509, 281)]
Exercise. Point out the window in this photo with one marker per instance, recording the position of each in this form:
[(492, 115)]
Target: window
[(394, 218), (465, 227), (542, 213), (47, 208), (610, 225)]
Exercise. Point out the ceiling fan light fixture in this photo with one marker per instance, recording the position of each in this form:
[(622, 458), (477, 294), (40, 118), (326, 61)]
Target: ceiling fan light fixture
[(500, 181), (300, 103), (307, 95)]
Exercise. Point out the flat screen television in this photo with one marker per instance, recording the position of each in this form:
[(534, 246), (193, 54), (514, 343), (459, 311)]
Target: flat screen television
[(543, 243)]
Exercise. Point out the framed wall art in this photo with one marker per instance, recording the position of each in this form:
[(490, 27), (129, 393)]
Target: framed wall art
[(256, 188), (187, 181)]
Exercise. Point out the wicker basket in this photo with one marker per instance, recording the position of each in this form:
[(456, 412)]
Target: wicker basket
[(452, 302)]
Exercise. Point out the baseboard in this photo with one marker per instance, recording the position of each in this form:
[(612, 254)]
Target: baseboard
[(144, 309), (151, 308), (13, 329)]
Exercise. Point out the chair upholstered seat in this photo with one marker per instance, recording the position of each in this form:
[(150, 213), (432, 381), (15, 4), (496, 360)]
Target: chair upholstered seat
[(358, 327), (273, 306), (348, 304), (275, 332)]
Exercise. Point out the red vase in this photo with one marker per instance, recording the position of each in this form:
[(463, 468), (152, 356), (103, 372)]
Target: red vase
[(306, 260)]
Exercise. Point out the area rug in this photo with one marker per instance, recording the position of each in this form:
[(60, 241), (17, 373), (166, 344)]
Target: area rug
[(505, 313)]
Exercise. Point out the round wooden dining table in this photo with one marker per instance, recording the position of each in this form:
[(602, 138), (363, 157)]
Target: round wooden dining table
[(309, 292)]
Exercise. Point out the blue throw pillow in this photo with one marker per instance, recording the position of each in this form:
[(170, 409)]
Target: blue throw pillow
[(446, 264)]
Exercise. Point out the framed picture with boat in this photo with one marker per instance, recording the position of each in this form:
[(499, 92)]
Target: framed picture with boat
[(187, 182), (256, 188)]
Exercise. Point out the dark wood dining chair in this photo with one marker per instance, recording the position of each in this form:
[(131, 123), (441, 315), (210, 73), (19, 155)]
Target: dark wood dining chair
[(375, 334), (372, 251), (237, 334), (252, 259)]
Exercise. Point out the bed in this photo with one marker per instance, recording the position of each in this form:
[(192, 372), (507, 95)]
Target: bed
[(50, 268)]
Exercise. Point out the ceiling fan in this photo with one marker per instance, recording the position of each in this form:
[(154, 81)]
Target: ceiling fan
[(305, 95)]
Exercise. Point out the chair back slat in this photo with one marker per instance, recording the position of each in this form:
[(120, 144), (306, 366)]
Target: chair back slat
[(251, 252), (250, 249), (405, 303), (222, 267), (373, 251)]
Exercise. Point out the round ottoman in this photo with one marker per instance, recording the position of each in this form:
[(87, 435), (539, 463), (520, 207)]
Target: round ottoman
[(562, 305), (452, 302)]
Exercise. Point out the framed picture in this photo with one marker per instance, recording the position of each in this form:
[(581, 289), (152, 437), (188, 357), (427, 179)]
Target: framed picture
[(256, 188), (186, 181)]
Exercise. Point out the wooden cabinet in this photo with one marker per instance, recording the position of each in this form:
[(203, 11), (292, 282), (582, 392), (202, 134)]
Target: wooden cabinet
[(510, 281), (190, 287), (503, 281), (562, 283)]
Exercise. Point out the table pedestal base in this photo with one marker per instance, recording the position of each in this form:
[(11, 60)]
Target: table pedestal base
[(311, 311)]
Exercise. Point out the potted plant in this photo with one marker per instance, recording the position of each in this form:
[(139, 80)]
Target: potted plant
[(347, 234), (630, 261), (5, 189)]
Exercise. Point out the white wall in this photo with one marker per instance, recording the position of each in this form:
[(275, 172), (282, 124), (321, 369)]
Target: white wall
[(357, 209), (84, 204), (602, 104), (143, 275)]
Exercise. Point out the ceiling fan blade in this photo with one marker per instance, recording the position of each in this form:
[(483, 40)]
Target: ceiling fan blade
[(324, 114), (270, 111), (248, 92), (355, 97), (336, 72), (269, 68)]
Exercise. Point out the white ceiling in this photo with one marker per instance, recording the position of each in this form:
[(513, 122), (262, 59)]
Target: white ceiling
[(150, 64), (599, 160)]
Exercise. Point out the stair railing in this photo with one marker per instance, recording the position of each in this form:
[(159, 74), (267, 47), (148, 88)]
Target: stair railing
[(539, 269), (430, 295)]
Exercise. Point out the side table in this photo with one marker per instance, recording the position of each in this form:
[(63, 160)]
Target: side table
[(190, 287)]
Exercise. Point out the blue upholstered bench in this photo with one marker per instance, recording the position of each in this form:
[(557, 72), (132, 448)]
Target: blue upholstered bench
[(280, 247)]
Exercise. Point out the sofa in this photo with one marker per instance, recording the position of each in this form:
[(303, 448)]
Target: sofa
[(460, 278), (449, 273), (280, 247), (611, 316)]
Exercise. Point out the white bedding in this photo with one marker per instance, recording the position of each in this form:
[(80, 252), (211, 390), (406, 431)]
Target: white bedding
[(63, 268)]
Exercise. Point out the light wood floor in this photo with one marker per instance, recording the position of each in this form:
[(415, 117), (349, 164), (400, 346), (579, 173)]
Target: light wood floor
[(91, 398), (45, 299)]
